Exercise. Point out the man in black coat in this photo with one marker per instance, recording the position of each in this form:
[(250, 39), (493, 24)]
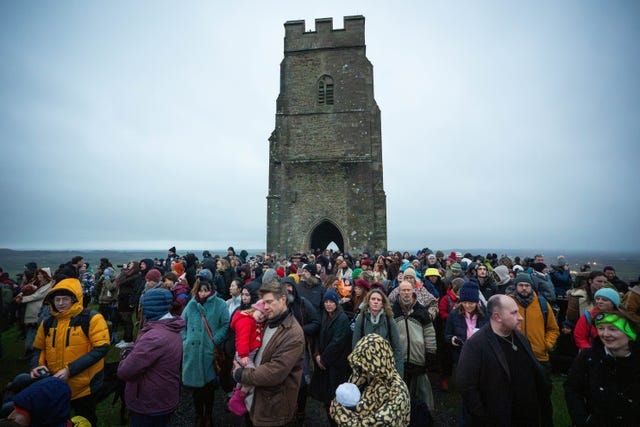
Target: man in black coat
[(501, 382), (309, 318), (71, 269)]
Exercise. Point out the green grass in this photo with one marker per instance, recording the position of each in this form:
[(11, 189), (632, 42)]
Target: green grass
[(10, 366), (13, 347), (560, 413)]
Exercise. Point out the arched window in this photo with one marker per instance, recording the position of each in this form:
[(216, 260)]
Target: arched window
[(325, 90)]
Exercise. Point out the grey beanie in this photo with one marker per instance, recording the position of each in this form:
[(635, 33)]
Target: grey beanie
[(269, 275)]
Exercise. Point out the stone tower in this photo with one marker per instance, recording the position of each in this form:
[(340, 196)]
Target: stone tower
[(325, 154)]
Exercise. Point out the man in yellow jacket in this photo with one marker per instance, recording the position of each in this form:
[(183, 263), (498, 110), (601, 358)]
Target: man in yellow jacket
[(72, 345), (541, 333)]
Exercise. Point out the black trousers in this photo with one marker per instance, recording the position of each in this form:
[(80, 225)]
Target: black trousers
[(85, 407), (203, 400)]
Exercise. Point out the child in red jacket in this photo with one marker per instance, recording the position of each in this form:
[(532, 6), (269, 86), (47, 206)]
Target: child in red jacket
[(248, 326)]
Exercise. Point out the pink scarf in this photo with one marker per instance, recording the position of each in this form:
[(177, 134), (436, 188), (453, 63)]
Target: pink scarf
[(471, 323)]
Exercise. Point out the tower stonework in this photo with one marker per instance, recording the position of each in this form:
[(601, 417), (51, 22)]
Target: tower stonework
[(325, 154)]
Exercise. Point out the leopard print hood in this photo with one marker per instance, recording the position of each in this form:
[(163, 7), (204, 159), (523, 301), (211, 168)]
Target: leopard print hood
[(385, 398), (370, 362)]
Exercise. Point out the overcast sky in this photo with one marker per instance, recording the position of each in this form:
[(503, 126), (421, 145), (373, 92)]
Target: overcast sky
[(144, 124)]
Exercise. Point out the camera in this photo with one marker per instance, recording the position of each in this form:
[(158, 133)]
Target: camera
[(43, 372)]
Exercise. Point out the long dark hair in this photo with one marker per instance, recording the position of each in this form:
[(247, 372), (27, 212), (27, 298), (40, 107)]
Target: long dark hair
[(460, 309)]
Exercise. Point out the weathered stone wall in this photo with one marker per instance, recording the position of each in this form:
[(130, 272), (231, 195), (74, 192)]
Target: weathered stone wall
[(326, 160)]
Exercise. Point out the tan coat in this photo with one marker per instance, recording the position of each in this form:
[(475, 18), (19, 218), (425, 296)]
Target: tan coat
[(277, 378), (541, 337), (34, 303)]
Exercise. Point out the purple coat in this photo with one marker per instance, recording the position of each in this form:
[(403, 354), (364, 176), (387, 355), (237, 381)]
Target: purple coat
[(152, 369)]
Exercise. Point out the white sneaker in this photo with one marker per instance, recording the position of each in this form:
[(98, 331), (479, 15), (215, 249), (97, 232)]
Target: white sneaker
[(120, 344)]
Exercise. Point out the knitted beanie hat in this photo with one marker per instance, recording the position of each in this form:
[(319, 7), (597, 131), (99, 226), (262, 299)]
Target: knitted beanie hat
[(456, 285), (410, 272), (156, 303), (270, 275), (363, 283), (523, 278), (609, 294), (153, 276), (311, 268), (469, 292), (178, 267), (331, 295)]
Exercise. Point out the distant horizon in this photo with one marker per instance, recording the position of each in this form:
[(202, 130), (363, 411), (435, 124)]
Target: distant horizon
[(480, 250)]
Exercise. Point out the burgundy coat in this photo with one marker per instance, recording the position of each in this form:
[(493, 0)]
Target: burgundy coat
[(153, 366)]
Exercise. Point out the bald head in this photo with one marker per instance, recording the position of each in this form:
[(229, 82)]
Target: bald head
[(406, 292), (494, 304), (405, 285), (503, 314)]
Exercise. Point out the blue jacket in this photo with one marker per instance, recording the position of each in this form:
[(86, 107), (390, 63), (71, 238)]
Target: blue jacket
[(457, 325), (197, 360), (561, 281), (47, 400)]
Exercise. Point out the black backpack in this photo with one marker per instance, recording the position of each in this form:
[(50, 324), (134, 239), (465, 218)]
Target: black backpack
[(83, 320)]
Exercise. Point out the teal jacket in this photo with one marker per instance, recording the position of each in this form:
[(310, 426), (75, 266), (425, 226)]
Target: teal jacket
[(197, 356)]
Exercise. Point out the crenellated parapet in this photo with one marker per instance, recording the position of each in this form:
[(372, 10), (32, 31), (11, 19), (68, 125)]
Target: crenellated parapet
[(325, 36)]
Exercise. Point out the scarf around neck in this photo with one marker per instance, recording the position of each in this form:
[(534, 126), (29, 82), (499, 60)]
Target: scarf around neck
[(524, 301)]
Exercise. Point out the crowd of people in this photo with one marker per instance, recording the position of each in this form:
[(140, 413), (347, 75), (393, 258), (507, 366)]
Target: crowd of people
[(369, 336)]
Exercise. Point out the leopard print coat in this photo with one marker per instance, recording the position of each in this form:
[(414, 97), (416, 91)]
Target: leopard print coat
[(385, 398)]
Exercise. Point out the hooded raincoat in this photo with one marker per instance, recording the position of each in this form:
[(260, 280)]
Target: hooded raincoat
[(65, 344)]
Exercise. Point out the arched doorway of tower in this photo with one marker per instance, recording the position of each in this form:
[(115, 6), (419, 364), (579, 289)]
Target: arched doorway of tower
[(324, 234)]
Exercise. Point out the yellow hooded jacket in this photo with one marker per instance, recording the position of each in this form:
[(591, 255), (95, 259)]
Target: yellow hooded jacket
[(67, 346), (541, 337)]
